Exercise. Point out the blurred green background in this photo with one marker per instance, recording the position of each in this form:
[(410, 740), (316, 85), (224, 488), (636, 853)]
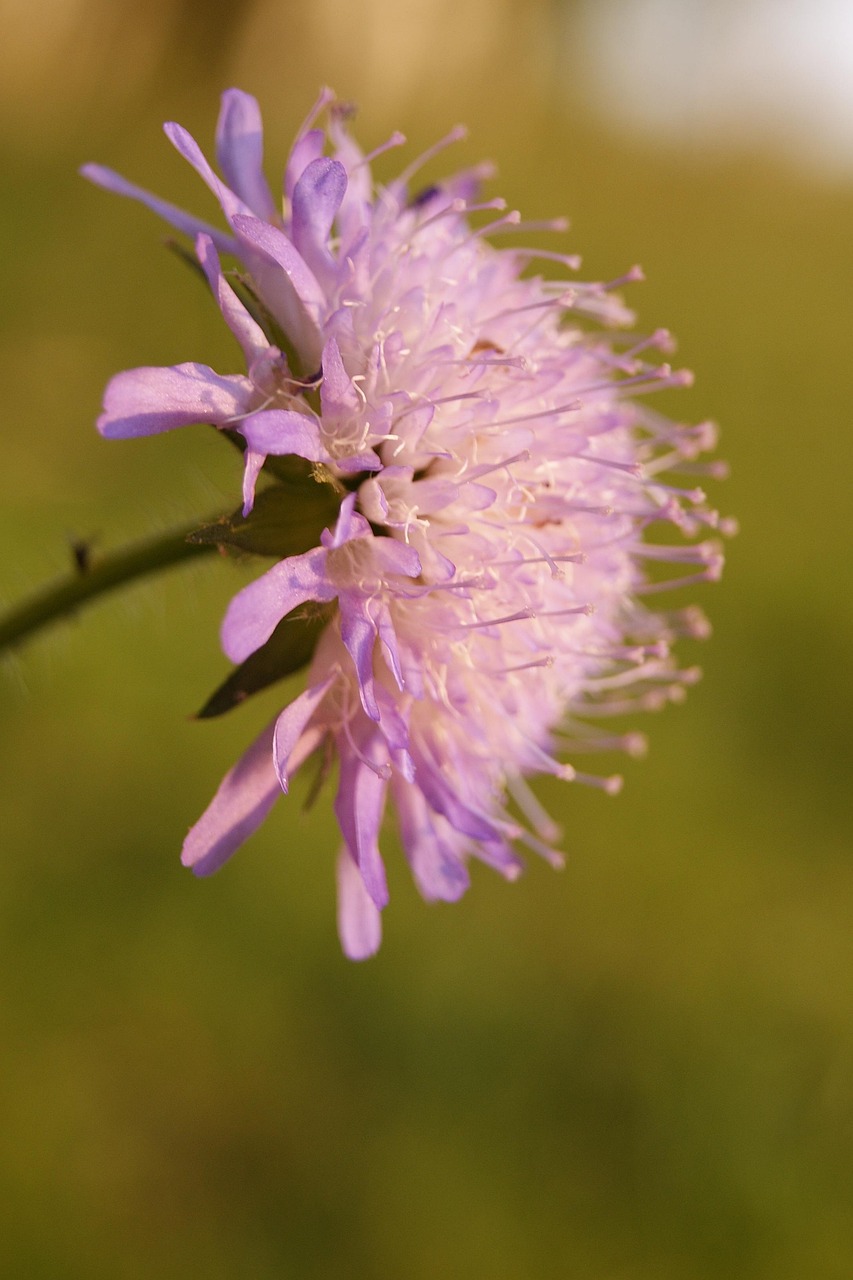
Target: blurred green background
[(639, 1069)]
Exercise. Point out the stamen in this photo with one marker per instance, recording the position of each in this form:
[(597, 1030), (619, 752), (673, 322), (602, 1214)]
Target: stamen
[(457, 208), (541, 821), (477, 473), (689, 676), (653, 670), (633, 744), (690, 622), (612, 785), (576, 558), (546, 763), (521, 666), (570, 260), (454, 209), (661, 340), (522, 615), (456, 134), (716, 470), (630, 468), (397, 139), (619, 653), (548, 224), (475, 361), (571, 406), (548, 304), (633, 275), (579, 508), (652, 700), (556, 860), (587, 610), (425, 400), (326, 96), (701, 553), (511, 219), (648, 379), (712, 574)]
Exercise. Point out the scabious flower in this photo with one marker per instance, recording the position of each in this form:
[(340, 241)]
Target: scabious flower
[(485, 577)]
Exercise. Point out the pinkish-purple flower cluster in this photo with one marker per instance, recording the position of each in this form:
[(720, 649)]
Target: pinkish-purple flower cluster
[(495, 474)]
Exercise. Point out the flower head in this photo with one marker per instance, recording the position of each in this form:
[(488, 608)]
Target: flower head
[(485, 576)]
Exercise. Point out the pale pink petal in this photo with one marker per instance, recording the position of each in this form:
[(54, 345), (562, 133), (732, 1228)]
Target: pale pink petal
[(393, 556), (359, 920)]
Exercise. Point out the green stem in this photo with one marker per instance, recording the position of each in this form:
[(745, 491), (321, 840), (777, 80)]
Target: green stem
[(114, 570)]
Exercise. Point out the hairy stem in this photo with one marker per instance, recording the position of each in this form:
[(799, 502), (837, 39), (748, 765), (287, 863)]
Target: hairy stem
[(90, 581)]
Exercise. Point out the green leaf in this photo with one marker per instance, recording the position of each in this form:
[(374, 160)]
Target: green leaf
[(290, 647), (287, 518)]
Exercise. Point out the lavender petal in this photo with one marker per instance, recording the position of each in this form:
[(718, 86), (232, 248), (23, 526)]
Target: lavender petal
[(250, 335), (359, 921), (255, 612), (186, 145), (240, 152), (316, 199), (178, 218), (359, 805), (244, 798), (290, 728), (146, 401)]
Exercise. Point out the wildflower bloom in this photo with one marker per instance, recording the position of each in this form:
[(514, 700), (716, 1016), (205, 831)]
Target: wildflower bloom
[(485, 576)]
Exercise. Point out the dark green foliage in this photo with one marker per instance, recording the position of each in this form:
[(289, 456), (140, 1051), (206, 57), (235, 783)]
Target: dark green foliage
[(287, 519), (288, 649)]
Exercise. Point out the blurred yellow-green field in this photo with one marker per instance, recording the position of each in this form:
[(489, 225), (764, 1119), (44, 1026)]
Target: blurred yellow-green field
[(638, 1069)]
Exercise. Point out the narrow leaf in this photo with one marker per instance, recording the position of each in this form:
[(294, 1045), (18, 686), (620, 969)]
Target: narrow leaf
[(287, 519), (290, 647)]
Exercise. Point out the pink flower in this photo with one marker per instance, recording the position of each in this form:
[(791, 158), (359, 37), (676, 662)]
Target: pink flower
[(487, 569)]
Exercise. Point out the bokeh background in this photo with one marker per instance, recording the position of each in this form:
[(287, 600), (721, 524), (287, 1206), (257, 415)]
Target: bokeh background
[(639, 1069)]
